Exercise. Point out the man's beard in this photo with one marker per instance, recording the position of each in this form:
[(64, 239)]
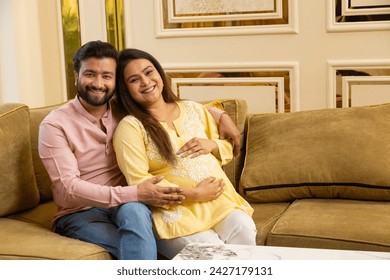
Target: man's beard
[(92, 100)]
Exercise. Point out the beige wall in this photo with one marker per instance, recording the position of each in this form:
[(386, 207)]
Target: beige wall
[(31, 53), (312, 49)]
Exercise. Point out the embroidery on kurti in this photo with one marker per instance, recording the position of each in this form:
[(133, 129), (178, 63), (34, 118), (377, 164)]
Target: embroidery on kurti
[(197, 169), (171, 216), (151, 148), (201, 167)]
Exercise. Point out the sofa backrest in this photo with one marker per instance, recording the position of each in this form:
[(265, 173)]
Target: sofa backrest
[(237, 110), (18, 188)]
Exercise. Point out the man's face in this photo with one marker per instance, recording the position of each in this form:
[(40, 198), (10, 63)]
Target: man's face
[(95, 81)]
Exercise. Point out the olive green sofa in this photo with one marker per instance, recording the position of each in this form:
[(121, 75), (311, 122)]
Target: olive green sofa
[(316, 179), (319, 178), (26, 205)]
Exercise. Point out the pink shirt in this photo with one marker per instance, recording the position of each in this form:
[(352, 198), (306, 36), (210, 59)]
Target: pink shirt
[(80, 160)]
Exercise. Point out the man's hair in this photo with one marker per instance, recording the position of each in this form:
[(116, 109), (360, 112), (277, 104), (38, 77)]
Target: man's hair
[(97, 49)]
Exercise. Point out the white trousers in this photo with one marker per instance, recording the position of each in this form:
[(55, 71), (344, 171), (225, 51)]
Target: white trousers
[(236, 228)]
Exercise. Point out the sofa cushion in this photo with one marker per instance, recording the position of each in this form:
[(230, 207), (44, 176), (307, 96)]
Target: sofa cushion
[(328, 153), (18, 189), (334, 224), (265, 216), (22, 240), (41, 215)]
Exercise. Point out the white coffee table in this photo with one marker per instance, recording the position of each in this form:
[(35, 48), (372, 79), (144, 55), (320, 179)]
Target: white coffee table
[(204, 251)]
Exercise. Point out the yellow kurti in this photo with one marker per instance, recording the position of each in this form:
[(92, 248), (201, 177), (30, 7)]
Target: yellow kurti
[(139, 159)]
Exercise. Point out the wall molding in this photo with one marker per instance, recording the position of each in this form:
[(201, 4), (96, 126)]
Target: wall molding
[(291, 67), (335, 65), (290, 27), (277, 13), (356, 24), (277, 83), (349, 81)]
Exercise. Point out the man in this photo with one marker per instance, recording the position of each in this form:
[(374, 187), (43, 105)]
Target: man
[(95, 204)]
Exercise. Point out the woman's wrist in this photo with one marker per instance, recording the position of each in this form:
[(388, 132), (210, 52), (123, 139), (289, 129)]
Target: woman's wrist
[(191, 194), (216, 113)]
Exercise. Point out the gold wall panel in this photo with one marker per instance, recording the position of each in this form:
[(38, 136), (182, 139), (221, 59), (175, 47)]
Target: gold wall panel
[(72, 40), (72, 33), (115, 23)]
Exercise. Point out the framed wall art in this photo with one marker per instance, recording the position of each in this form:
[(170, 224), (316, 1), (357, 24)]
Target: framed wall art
[(181, 18)]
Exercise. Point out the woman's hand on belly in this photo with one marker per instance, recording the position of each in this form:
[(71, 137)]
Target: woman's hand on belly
[(196, 147), (207, 190)]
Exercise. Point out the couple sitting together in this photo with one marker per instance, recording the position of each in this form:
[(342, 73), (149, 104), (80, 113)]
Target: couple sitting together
[(140, 172)]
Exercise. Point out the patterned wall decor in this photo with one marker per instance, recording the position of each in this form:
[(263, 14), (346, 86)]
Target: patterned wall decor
[(358, 15), (358, 83), (265, 90), (224, 17)]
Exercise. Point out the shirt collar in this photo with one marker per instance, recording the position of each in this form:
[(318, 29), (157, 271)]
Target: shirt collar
[(82, 111)]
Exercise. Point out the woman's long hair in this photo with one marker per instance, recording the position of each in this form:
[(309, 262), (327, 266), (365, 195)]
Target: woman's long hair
[(152, 126)]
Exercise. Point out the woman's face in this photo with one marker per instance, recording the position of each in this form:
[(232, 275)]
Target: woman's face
[(143, 81)]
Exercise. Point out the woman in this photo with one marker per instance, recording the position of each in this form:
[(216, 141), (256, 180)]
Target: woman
[(149, 142)]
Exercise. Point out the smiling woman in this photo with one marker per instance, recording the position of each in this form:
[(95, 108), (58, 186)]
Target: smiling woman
[(143, 82), (165, 136)]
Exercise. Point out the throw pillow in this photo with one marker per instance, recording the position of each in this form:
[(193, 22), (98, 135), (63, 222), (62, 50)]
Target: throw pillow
[(327, 153)]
